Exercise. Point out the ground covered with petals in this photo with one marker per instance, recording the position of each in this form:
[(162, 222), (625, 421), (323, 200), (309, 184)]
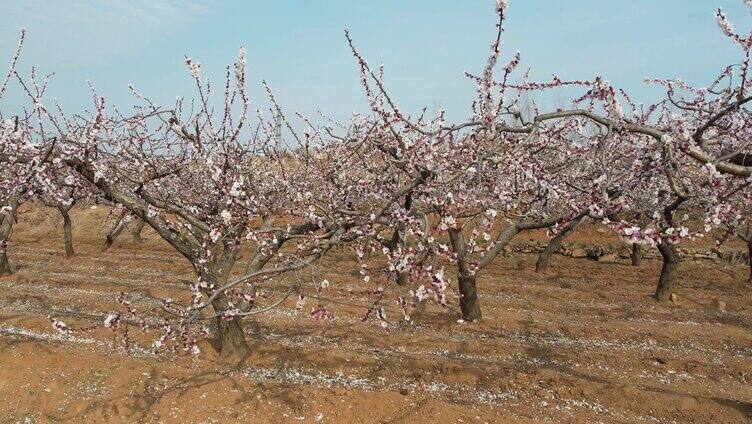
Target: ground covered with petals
[(583, 343)]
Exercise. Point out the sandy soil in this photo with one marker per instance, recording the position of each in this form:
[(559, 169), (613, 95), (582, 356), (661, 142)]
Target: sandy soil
[(584, 343)]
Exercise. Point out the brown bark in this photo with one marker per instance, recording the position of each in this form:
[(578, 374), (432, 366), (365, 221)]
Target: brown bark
[(749, 259), (114, 233), (469, 298), (402, 278), (7, 219), (545, 256), (67, 231), (668, 270), (468, 292), (232, 344), (138, 226), (636, 254), (668, 252), (397, 242), (4, 264)]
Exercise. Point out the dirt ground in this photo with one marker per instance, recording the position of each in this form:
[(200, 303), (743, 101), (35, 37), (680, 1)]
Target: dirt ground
[(583, 343)]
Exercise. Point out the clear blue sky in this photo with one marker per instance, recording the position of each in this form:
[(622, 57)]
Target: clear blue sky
[(298, 46)]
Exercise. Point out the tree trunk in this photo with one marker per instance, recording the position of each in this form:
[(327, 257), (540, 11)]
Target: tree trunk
[(138, 226), (67, 231), (4, 265), (6, 226), (670, 263), (749, 259), (232, 343), (114, 233), (636, 255), (545, 256), (468, 292), (469, 298), (398, 242)]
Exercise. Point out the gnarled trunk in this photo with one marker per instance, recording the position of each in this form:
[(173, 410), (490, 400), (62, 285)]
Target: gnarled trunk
[(469, 297), (545, 256), (636, 255), (670, 263), (232, 343), (67, 231)]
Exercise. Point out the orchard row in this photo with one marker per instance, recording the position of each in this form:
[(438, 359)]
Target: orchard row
[(424, 204)]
